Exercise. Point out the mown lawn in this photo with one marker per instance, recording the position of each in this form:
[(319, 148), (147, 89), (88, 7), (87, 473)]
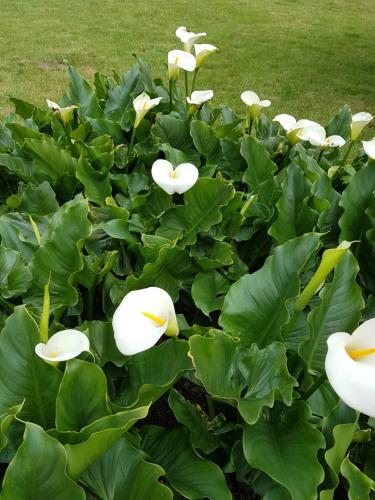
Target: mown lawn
[(307, 57)]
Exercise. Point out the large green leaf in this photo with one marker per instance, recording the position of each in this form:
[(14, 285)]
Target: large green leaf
[(59, 255), (122, 472), (15, 276), (96, 438), (250, 378), (40, 199), (340, 124), (295, 217), (171, 130), (38, 471), (96, 182), (338, 311), (255, 307), (206, 141), (81, 93), (22, 167), (120, 96), (360, 485), (200, 212), (208, 290), (5, 420), (259, 166), (149, 374), (102, 342), (193, 417), (190, 474), (82, 397), (286, 449), (17, 233), (23, 375)]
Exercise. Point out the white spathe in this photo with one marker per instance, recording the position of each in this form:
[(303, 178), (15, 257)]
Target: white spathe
[(63, 345), (199, 97), (141, 319), (317, 137), (253, 102), (180, 59), (142, 105), (202, 51), (369, 148), (66, 114), (359, 122), (188, 38), (298, 130), (174, 180), (353, 379)]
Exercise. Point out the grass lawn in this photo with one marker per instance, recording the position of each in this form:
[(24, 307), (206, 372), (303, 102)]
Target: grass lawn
[(307, 57)]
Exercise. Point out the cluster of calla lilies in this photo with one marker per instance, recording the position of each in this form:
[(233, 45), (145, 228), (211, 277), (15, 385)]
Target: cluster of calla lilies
[(145, 315)]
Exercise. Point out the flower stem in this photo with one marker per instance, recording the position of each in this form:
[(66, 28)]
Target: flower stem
[(6, 305), (348, 151), (90, 301), (170, 95), (194, 78), (320, 155), (130, 148), (186, 84), (310, 391)]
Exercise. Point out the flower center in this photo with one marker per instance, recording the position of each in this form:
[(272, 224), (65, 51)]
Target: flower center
[(159, 321), (360, 353), (173, 174), (176, 60), (144, 105), (54, 354)]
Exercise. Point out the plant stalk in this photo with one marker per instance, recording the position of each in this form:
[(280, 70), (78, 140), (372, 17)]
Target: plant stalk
[(310, 391)]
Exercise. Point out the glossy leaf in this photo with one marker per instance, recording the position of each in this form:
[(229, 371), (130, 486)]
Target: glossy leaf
[(15, 276), (360, 485), (286, 449), (81, 93), (208, 290), (205, 141), (255, 307)]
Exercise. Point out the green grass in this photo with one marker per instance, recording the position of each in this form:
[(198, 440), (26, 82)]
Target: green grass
[(307, 57)]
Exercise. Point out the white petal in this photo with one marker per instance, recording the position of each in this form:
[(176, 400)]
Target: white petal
[(309, 129), (286, 121), (141, 102), (369, 147), (134, 332), (335, 141), (181, 59), (188, 37), (352, 380), (185, 176), (198, 97), (359, 122), (362, 117), (63, 345), (53, 105), (265, 103), (203, 50), (249, 98)]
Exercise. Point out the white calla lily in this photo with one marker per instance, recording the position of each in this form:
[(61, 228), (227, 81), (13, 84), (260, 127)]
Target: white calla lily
[(288, 122), (359, 122), (350, 367), (202, 51), (180, 59), (141, 319), (369, 147), (317, 137), (63, 345), (199, 97), (253, 102), (188, 38), (174, 180), (299, 130), (66, 114), (142, 105)]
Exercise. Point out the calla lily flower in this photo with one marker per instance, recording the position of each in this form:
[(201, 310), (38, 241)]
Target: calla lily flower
[(350, 367), (66, 114), (317, 137), (298, 130), (202, 51), (369, 147), (252, 101), (142, 318), (188, 38), (142, 105), (174, 180), (180, 59), (63, 345), (199, 97), (359, 122)]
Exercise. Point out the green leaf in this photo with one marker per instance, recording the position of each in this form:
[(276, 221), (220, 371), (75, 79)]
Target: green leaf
[(339, 311), (5, 420), (259, 166), (96, 182), (120, 96), (208, 290), (15, 276), (17, 233), (59, 254), (190, 474), (193, 417), (251, 378), (103, 126), (173, 131), (122, 472), (102, 342), (38, 470), (295, 217), (255, 307), (40, 200), (360, 485), (82, 397), (286, 449), (21, 167), (82, 94), (200, 212), (51, 162), (219, 255), (340, 124), (206, 141), (23, 375), (149, 376), (98, 437)]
